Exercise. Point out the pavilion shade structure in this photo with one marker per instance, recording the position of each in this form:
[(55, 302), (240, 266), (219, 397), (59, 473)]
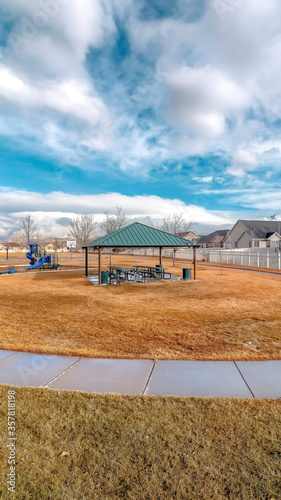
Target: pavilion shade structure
[(137, 235)]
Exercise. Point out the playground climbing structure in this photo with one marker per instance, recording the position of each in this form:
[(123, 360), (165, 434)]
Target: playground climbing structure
[(40, 259)]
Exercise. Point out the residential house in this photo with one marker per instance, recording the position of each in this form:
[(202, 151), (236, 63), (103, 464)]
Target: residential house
[(190, 236), (12, 247), (214, 240), (254, 234), (50, 247), (56, 245)]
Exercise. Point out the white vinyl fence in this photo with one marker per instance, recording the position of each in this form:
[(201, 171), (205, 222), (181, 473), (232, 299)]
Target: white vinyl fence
[(253, 258), (181, 253)]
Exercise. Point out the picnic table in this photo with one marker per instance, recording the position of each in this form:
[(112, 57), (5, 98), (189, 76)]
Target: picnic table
[(153, 272), (120, 273), (137, 273)]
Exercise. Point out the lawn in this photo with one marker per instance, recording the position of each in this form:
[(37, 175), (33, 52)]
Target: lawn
[(90, 446), (233, 316)]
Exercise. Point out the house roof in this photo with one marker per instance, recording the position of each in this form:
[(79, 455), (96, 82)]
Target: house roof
[(186, 233), (139, 235), (221, 234), (261, 229), (10, 243)]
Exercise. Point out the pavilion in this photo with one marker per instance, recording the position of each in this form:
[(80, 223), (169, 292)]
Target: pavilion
[(137, 235)]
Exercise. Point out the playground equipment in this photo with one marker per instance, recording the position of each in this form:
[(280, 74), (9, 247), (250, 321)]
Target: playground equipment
[(39, 258), (11, 270)]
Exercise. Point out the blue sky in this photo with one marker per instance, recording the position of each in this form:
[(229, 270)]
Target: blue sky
[(159, 106)]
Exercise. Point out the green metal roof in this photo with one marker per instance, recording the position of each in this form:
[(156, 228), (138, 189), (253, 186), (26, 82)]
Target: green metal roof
[(139, 235)]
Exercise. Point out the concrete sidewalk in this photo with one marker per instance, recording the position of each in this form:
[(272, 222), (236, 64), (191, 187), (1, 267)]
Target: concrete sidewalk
[(239, 379)]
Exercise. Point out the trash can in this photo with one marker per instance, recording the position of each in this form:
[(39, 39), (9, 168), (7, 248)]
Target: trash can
[(186, 274), (104, 278)]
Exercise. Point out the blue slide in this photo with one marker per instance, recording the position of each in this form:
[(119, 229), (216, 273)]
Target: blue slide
[(39, 263), (33, 249), (32, 259)]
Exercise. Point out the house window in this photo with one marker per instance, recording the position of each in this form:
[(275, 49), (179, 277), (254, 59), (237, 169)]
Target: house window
[(268, 244), (236, 244), (256, 243), (250, 244)]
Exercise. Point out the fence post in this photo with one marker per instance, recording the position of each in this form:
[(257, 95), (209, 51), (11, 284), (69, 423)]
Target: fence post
[(267, 260), (249, 259), (279, 260), (258, 259)]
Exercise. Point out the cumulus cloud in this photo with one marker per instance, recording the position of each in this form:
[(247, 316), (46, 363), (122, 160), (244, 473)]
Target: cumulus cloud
[(243, 161), (71, 97), (61, 26), (222, 73), (142, 85), (43, 76), (203, 98)]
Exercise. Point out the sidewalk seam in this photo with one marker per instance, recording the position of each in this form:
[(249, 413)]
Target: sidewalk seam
[(149, 377), (61, 373), (245, 380), (9, 355)]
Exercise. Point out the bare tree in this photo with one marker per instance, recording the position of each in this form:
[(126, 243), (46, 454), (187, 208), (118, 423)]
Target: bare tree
[(82, 228), (40, 239), (113, 222), (29, 228), (175, 224), (58, 244)]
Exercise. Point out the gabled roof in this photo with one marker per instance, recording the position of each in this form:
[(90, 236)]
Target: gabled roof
[(188, 233), (221, 234), (139, 235), (260, 229)]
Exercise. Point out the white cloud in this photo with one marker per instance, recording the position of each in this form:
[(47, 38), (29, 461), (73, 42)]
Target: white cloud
[(266, 201), (62, 26), (243, 161), (202, 98), (212, 84), (43, 76), (48, 208), (203, 179), (223, 75), (71, 97)]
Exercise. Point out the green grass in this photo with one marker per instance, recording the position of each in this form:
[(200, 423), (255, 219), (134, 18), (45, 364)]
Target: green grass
[(133, 447)]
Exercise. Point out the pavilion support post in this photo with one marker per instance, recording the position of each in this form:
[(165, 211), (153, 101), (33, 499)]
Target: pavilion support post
[(194, 264), (174, 259), (86, 261), (99, 265), (160, 256)]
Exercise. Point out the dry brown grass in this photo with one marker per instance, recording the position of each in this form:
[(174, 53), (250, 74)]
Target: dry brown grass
[(15, 255), (73, 445), (235, 316)]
